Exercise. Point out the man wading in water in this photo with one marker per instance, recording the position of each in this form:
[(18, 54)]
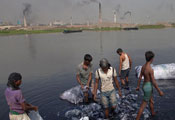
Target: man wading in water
[(124, 67), (149, 81), (84, 75), (107, 75)]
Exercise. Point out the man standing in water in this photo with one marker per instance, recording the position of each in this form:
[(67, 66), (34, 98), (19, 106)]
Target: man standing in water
[(84, 75), (107, 75), (124, 67), (149, 81)]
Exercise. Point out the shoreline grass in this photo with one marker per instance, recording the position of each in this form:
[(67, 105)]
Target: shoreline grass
[(16, 32), (58, 30), (151, 26)]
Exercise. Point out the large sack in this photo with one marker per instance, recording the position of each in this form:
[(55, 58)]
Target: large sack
[(35, 115), (162, 71), (75, 95)]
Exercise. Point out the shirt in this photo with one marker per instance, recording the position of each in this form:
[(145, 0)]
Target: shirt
[(125, 64), (106, 79), (84, 74), (14, 99)]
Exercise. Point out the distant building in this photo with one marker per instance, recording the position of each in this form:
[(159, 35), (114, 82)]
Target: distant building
[(57, 23)]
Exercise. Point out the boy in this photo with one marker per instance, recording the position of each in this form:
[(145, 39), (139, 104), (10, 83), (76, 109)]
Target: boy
[(15, 100), (107, 75), (124, 67), (84, 75), (149, 81)]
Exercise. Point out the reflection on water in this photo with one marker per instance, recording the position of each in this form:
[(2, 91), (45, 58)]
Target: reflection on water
[(101, 44), (48, 62), (32, 45)]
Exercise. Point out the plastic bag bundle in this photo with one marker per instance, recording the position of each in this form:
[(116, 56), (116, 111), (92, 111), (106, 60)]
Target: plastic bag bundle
[(75, 94), (162, 71), (35, 115)]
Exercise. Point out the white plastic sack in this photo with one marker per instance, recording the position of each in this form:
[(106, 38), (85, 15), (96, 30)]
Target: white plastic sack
[(74, 95), (35, 115), (162, 71)]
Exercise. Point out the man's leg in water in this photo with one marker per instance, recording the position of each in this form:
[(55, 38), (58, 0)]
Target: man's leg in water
[(105, 103), (113, 101), (143, 105), (86, 97), (127, 75), (151, 104), (123, 81), (106, 112)]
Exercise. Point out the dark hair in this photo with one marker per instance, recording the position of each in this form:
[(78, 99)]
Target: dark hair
[(14, 77), (119, 50), (149, 55), (88, 57)]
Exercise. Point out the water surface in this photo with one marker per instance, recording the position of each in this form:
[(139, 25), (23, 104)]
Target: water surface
[(48, 64)]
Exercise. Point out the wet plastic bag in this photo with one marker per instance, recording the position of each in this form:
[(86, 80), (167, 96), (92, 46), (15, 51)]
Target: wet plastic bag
[(162, 71), (35, 115), (75, 94)]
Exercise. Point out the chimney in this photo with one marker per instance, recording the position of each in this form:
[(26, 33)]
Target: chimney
[(115, 17), (100, 13), (25, 22)]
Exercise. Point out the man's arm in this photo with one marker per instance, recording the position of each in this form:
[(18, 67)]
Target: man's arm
[(78, 79), (120, 66), (130, 62), (154, 83), (95, 88), (140, 78), (117, 85), (89, 79), (28, 107)]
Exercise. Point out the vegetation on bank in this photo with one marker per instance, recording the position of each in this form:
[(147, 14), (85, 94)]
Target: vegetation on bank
[(55, 30), (103, 29), (151, 26), (14, 32)]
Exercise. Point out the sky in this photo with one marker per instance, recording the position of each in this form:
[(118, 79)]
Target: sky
[(81, 11)]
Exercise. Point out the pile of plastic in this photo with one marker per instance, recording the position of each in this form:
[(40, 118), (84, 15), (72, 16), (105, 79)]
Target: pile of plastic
[(75, 95), (127, 109), (162, 71), (35, 115)]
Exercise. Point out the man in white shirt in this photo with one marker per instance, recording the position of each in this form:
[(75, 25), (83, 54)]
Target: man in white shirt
[(124, 67), (107, 75)]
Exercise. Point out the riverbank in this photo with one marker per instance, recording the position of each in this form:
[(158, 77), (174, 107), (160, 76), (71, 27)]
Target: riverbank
[(57, 30)]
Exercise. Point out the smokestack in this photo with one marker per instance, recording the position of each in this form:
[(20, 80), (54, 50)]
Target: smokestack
[(100, 13), (25, 22), (115, 17)]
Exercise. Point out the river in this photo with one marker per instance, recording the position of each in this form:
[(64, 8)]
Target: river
[(48, 64)]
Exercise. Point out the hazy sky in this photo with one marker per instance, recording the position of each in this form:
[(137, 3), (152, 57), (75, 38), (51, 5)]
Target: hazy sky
[(44, 11)]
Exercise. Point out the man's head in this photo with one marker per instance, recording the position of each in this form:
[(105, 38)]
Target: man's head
[(119, 51), (149, 55), (87, 59), (14, 80), (104, 64)]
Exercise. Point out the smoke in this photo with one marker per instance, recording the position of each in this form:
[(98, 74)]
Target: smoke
[(27, 9), (117, 8), (126, 13), (27, 12)]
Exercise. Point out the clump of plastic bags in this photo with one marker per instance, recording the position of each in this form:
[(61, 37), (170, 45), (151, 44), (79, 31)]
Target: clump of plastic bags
[(162, 71), (35, 115), (75, 94)]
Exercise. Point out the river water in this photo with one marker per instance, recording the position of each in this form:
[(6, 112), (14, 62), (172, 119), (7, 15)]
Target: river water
[(48, 64)]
